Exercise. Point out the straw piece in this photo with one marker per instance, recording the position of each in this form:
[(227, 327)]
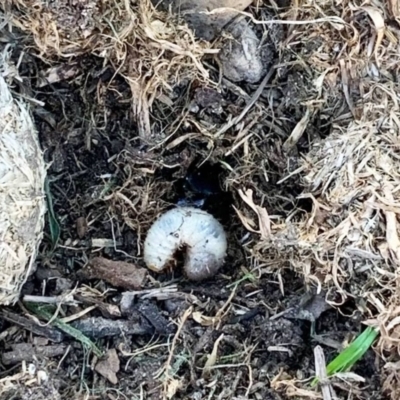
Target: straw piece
[(22, 201)]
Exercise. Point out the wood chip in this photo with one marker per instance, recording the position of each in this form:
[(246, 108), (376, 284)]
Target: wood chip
[(81, 227), (117, 273), (109, 366), (154, 316)]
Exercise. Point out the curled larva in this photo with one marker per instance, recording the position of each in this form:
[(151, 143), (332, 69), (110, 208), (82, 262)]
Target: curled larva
[(195, 232)]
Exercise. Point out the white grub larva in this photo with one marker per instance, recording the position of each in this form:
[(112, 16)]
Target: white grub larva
[(195, 232)]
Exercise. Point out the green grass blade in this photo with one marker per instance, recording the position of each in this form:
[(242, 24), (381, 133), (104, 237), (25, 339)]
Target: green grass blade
[(44, 312), (351, 354), (249, 276), (354, 352)]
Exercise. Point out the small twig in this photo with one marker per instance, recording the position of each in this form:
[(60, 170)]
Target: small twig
[(107, 310), (167, 365), (248, 106), (295, 172), (151, 293), (320, 372), (282, 313), (222, 366), (63, 357), (331, 19), (224, 309), (75, 333), (235, 89), (78, 315), (30, 325), (98, 327), (212, 358), (66, 300), (28, 352)]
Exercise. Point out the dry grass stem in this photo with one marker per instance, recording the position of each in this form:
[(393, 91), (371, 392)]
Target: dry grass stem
[(22, 201)]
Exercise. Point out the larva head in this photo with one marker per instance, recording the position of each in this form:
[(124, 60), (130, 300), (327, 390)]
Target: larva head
[(201, 265)]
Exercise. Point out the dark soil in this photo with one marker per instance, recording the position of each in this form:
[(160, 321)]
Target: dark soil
[(89, 136)]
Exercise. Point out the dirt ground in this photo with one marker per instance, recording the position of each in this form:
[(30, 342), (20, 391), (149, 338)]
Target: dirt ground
[(107, 184)]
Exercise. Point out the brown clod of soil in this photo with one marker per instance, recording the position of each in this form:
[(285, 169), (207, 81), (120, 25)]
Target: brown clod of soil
[(310, 308), (209, 98), (109, 366), (242, 56), (117, 273), (207, 18)]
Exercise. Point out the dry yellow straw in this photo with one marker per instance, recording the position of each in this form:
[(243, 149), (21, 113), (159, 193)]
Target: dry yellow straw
[(22, 200)]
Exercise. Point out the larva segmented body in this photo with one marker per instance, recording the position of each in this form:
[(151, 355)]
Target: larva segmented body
[(194, 231)]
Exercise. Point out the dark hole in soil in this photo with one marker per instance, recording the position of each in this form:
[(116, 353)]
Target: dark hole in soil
[(305, 204), (200, 187), (204, 179)]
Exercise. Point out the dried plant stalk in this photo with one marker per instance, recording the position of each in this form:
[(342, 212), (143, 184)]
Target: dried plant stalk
[(22, 201)]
